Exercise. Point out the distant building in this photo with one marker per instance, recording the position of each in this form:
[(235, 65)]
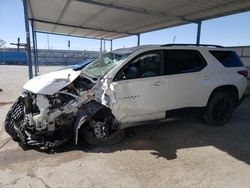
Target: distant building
[(47, 57), (15, 58), (244, 53)]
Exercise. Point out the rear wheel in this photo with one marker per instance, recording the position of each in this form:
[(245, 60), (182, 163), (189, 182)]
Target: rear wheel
[(219, 109)]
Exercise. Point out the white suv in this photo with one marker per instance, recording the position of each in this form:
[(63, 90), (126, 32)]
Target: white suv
[(126, 87)]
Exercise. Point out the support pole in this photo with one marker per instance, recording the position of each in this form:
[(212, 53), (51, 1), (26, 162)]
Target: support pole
[(36, 52), (104, 45), (111, 45), (198, 37), (138, 39), (100, 54), (28, 51), (18, 44), (34, 46)]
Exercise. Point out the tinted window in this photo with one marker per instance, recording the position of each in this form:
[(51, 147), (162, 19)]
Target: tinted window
[(183, 61), (145, 65), (227, 58)]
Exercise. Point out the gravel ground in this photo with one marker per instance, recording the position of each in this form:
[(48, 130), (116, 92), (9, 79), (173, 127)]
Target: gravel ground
[(185, 153)]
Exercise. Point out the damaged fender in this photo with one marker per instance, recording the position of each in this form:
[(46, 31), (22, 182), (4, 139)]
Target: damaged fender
[(85, 114)]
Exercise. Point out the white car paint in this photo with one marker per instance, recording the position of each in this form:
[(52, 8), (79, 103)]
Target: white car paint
[(50, 83), (133, 83), (140, 100), (149, 98)]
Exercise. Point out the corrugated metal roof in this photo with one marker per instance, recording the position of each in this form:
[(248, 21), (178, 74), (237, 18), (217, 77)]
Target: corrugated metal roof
[(111, 19)]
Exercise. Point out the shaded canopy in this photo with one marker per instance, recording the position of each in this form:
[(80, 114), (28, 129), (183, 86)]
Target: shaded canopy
[(112, 19)]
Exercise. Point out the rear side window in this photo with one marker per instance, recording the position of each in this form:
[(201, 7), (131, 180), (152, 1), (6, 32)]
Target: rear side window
[(183, 61), (227, 58)]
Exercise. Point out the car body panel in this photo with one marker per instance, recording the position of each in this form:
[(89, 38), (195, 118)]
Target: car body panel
[(50, 83), (62, 97), (140, 99)]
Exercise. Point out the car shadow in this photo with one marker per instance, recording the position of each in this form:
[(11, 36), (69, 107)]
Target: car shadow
[(163, 140)]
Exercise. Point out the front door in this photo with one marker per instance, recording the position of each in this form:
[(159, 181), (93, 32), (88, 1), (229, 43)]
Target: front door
[(141, 89)]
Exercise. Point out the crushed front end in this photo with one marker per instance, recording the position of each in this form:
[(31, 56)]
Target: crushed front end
[(48, 121)]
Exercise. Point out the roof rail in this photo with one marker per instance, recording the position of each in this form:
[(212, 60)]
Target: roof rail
[(205, 45)]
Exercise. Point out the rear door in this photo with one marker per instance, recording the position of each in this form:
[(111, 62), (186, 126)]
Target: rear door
[(185, 78)]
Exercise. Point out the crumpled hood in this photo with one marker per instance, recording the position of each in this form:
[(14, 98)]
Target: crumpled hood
[(50, 83)]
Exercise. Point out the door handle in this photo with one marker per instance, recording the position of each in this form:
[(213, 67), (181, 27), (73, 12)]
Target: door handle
[(158, 83)]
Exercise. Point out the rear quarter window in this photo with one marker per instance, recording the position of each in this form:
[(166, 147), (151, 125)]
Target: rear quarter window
[(227, 58)]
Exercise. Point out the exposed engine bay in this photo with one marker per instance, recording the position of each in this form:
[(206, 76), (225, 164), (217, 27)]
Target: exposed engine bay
[(48, 121)]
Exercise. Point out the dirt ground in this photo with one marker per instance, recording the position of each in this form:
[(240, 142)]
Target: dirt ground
[(185, 153)]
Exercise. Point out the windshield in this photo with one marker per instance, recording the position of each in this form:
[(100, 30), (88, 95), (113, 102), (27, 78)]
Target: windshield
[(104, 64)]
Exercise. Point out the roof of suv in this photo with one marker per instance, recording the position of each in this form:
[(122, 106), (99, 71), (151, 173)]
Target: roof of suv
[(133, 49)]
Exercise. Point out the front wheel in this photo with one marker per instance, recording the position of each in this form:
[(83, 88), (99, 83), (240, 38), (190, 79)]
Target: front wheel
[(219, 109), (113, 138)]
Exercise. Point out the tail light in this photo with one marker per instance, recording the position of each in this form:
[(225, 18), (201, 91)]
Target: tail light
[(243, 73)]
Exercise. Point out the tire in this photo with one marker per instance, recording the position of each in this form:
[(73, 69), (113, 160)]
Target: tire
[(98, 112), (114, 138), (219, 109)]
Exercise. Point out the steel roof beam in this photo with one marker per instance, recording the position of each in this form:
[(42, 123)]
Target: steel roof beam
[(87, 34), (132, 9), (29, 8), (82, 27), (103, 35), (60, 34), (224, 5), (89, 19), (62, 13)]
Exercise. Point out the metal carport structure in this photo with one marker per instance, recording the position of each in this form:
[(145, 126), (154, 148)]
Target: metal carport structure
[(113, 19)]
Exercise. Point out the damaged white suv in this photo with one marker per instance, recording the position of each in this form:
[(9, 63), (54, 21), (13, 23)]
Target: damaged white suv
[(126, 87)]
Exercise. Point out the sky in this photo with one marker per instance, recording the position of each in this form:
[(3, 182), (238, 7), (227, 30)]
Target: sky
[(231, 30)]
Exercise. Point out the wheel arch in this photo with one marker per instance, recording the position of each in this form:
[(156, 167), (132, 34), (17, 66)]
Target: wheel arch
[(91, 110), (230, 89)]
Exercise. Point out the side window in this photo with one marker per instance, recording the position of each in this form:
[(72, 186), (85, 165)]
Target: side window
[(183, 61), (227, 58), (145, 65)]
